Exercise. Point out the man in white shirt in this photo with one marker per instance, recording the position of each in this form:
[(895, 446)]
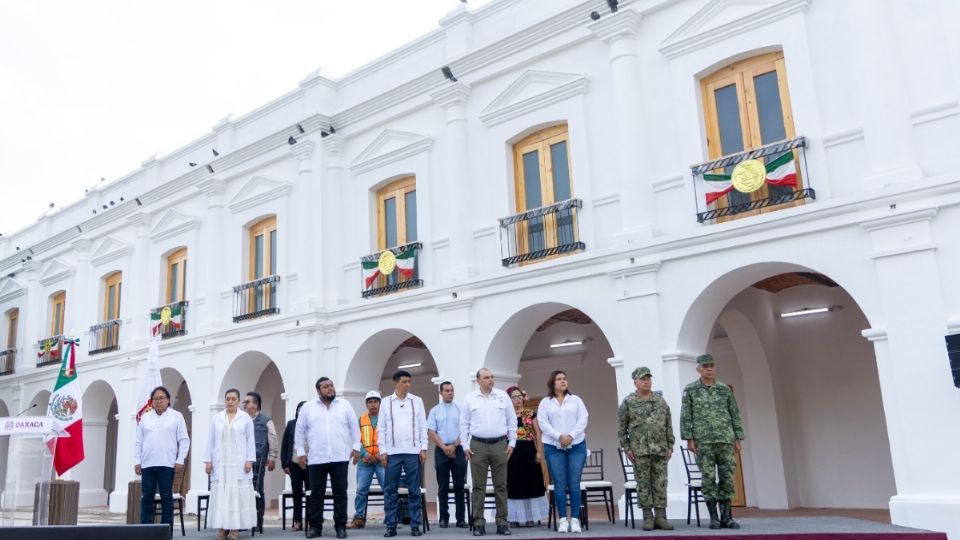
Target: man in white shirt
[(488, 433), (160, 447), (402, 437), (443, 428), (331, 432)]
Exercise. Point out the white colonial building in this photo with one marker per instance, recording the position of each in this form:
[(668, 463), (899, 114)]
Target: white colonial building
[(540, 176)]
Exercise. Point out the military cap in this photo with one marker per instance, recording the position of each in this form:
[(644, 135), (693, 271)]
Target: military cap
[(641, 372), (704, 359)]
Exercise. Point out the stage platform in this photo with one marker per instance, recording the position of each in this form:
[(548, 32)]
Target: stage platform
[(753, 528)]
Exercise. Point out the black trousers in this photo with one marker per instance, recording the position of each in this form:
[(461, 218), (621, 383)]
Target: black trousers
[(318, 488), (446, 466), (298, 477)]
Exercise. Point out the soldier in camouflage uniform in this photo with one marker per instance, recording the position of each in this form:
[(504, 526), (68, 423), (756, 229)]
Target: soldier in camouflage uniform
[(710, 423), (646, 433)]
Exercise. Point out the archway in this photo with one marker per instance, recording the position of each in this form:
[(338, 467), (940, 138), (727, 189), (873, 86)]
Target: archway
[(372, 368), (543, 337), (255, 371), (96, 473), (806, 384)]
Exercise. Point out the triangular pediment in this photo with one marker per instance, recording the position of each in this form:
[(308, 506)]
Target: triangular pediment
[(10, 289), (389, 146), (720, 19), (532, 90), (173, 222), (111, 248), (259, 190), (55, 270)]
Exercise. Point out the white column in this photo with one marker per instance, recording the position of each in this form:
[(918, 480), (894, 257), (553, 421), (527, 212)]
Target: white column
[(883, 96), (126, 431), (34, 326), (137, 304), (332, 218), (679, 370), (78, 298), (210, 257), (456, 182), (633, 159), (913, 369), (304, 247), (205, 404), (638, 314), (454, 359)]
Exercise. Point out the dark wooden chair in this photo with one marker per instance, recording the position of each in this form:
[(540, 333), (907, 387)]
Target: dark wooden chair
[(598, 488), (694, 483), (629, 489), (178, 500)]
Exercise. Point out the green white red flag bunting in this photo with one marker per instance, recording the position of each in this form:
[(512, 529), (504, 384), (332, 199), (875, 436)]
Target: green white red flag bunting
[(780, 172), (171, 316)]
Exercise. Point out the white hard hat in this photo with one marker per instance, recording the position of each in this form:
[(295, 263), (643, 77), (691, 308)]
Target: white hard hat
[(373, 394)]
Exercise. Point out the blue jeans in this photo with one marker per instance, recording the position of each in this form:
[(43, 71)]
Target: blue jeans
[(566, 466), (409, 465), (152, 479), (364, 479)]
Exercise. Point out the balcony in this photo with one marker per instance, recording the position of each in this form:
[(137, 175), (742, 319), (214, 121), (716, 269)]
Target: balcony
[(391, 270), (776, 171), (541, 233), (255, 299), (49, 351), (169, 321), (8, 361), (104, 337)]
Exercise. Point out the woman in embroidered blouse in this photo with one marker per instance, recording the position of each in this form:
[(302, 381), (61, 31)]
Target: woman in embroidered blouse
[(526, 494), (563, 420), (229, 460)]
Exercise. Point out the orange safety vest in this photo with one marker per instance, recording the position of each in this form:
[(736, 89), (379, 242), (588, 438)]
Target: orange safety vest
[(368, 435)]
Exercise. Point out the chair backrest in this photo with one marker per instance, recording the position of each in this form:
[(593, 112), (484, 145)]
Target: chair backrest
[(627, 465), (179, 478), (593, 468), (690, 464)]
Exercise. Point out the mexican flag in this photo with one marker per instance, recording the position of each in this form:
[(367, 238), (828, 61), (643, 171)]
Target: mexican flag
[(780, 172), (151, 378), (65, 408), (404, 265), (171, 315)]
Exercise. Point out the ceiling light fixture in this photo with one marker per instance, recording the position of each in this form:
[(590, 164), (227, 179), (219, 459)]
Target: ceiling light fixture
[(567, 343), (408, 366), (807, 311)]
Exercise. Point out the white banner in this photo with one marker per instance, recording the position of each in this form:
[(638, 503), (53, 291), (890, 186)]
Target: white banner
[(26, 425)]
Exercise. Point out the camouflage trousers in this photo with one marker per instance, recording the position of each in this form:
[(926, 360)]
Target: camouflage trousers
[(650, 473), (718, 466)]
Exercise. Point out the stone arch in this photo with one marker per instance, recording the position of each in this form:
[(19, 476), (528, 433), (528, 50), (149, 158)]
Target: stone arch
[(367, 364), (96, 473)]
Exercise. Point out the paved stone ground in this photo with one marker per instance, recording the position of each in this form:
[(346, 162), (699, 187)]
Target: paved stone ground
[(599, 528)]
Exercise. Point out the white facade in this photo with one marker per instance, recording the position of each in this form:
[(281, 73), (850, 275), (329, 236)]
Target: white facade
[(851, 408)]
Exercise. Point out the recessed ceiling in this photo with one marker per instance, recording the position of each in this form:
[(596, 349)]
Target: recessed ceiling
[(574, 316), (780, 282)]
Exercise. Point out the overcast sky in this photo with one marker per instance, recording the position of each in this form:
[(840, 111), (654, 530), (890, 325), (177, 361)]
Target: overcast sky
[(91, 89)]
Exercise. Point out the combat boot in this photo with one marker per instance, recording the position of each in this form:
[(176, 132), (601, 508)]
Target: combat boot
[(714, 519), (660, 521), (648, 519), (726, 516)]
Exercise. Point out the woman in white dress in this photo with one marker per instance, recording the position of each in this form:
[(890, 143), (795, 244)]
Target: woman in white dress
[(229, 460)]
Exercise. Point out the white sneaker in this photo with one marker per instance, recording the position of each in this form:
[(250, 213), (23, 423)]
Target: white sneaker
[(575, 525), (563, 526)]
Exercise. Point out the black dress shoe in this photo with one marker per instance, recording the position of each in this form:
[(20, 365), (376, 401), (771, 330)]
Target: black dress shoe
[(314, 533), (444, 524), (504, 530), (479, 530), (415, 531), (391, 531), (461, 524), (341, 532)]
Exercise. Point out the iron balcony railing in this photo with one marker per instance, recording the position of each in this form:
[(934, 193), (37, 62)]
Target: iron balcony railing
[(541, 233), (170, 320), (255, 298), (8, 361), (784, 158), (393, 269), (49, 351), (104, 337)]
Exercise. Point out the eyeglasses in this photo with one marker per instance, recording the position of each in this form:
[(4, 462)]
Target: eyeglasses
[(161, 398), (518, 396)]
